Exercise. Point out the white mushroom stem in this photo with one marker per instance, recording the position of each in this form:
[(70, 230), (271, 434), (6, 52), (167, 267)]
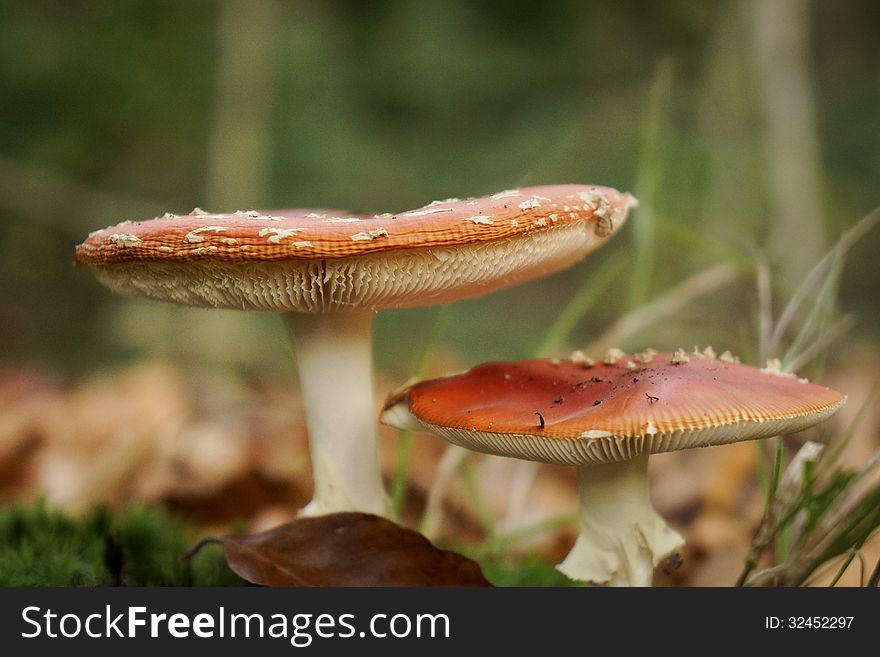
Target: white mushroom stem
[(334, 354), (622, 537)]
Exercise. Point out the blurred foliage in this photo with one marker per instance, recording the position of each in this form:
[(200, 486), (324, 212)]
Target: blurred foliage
[(126, 109), (141, 546)]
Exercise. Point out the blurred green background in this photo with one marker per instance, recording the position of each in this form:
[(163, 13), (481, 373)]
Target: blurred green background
[(744, 127)]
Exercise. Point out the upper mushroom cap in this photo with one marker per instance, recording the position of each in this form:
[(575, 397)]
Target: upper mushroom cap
[(572, 413), (319, 260)]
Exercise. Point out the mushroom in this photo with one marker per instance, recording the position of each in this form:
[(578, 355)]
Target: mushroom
[(328, 271), (605, 418)]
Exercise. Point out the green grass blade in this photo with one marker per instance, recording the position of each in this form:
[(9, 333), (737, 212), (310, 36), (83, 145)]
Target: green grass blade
[(649, 173), (580, 304), (400, 480)]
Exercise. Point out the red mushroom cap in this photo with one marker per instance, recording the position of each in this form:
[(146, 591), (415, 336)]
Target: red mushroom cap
[(572, 413), (314, 234), (317, 260)]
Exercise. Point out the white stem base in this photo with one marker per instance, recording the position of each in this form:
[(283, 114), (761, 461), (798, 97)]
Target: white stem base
[(622, 537), (334, 355)]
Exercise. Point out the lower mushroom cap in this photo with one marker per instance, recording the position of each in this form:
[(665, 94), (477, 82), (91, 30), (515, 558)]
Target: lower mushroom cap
[(579, 413), (567, 413)]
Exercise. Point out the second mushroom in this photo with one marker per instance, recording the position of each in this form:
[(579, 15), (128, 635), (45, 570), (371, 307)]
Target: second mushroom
[(606, 419)]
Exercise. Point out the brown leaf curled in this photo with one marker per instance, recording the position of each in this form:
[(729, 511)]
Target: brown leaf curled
[(346, 549)]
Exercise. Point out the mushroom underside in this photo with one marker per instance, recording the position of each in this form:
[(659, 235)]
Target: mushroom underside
[(408, 278)]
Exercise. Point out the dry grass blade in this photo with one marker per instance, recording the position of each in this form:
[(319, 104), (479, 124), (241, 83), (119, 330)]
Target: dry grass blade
[(765, 305), (447, 469), (822, 310), (524, 475), (818, 346), (874, 580), (579, 305), (666, 305), (825, 465), (817, 330), (818, 274), (38, 194)]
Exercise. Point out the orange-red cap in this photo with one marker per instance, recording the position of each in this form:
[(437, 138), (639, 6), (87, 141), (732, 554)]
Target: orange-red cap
[(575, 412), (330, 260)]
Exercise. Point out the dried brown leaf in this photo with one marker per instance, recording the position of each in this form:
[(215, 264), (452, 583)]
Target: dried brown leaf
[(345, 549)]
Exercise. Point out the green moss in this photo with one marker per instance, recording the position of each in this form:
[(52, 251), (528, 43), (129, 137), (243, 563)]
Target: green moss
[(142, 546)]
